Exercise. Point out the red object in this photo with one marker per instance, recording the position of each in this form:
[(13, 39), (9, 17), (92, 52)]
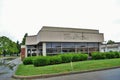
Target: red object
[(22, 53)]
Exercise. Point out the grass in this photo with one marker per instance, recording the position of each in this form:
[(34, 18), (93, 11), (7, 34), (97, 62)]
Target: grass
[(28, 70)]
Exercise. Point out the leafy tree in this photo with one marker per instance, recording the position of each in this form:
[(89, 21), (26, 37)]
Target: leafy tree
[(24, 39), (7, 46), (110, 42)]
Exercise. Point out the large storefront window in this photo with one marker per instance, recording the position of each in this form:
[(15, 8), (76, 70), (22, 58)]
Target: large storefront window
[(54, 48), (68, 47), (92, 47), (40, 49), (77, 47), (81, 47)]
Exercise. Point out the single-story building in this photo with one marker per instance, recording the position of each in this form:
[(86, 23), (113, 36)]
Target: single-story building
[(59, 40), (110, 47)]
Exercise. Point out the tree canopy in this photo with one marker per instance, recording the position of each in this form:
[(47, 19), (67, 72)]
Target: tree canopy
[(8, 46), (110, 42), (24, 39)]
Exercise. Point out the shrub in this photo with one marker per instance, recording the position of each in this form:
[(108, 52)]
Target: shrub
[(55, 60), (108, 55), (76, 57), (73, 57), (28, 60), (98, 55), (84, 57), (66, 58), (79, 57), (117, 54), (41, 61)]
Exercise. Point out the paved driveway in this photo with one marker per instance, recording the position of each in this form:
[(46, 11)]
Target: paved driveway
[(7, 71), (113, 74)]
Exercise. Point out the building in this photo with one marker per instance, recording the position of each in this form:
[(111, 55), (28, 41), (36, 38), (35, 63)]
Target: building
[(58, 40), (110, 47)]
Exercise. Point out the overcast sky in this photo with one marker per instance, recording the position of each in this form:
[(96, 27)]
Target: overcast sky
[(18, 17)]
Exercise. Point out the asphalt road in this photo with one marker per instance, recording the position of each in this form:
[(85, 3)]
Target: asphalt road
[(113, 74), (7, 72)]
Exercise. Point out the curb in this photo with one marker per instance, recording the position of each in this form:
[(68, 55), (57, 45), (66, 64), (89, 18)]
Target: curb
[(58, 74)]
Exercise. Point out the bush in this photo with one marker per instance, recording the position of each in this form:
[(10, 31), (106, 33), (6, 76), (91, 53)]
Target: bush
[(41, 61), (98, 55), (106, 55), (79, 57), (84, 57), (117, 54), (109, 55), (28, 60), (66, 58), (55, 60), (73, 57), (76, 57)]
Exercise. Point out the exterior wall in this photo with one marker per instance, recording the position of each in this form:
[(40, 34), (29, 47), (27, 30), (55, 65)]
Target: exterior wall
[(31, 40), (46, 36), (59, 29), (110, 47)]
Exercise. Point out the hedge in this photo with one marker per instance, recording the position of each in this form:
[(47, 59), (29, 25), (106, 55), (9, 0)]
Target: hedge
[(58, 59), (79, 57), (55, 60), (66, 58), (28, 60), (41, 61), (105, 55), (98, 55)]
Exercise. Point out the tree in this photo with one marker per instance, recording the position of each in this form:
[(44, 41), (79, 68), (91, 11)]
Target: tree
[(18, 47), (24, 39), (7, 46), (110, 42)]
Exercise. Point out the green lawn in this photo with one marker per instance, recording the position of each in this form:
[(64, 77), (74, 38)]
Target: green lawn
[(28, 70)]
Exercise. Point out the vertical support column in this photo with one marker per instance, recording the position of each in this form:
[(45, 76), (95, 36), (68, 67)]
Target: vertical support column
[(44, 49), (106, 50), (61, 47), (118, 48), (99, 47), (37, 50), (31, 52), (26, 51), (75, 48), (88, 49)]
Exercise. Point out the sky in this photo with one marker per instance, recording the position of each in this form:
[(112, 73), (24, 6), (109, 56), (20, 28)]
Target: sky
[(18, 17)]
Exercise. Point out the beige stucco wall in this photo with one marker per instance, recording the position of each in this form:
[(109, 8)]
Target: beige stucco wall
[(46, 36), (31, 40), (55, 34), (63, 29)]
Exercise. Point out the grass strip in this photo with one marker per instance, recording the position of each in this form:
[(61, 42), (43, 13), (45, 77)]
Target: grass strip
[(28, 70)]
